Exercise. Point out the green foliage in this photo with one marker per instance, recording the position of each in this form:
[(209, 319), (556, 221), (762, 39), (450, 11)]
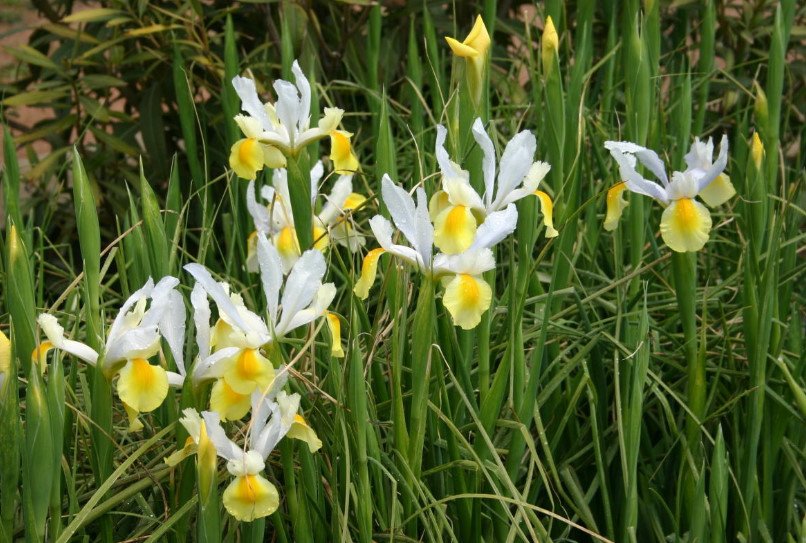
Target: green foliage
[(613, 392)]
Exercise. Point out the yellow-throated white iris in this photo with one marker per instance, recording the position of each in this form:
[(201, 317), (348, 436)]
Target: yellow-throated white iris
[(279, 130), (134, 338), (333, 224), (457, 209), (685, 223), (467, 296)]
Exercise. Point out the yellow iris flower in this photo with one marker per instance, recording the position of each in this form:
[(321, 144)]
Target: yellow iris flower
[(685, 223)]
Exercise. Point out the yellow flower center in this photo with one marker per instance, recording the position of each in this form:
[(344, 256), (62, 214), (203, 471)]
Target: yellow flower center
[(143, 373), (686, 216), (246, 151), (249, 366), (469, 288)]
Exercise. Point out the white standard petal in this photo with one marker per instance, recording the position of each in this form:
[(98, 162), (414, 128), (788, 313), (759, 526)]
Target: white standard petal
[(382, 229), (304, 111), (172, 327), (201, 319), (250, 103), (424, 241), (271, 274), (717, 167), (318, 307), (223, 445), (317, 172), (301, 285), (260, 215), (335, 200), (515, 164), (217, 293), (120, 321), (488, 162), (287, 107), (446, 165), (401, 207)]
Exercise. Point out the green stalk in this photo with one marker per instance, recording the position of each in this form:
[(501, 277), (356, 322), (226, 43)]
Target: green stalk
[(11, 429), (357, 403), (38, 465), (56, 408), (299, 188), (187, 117), (19, 297), (89, 238), (420, 349), (11, 178), (297, 510)]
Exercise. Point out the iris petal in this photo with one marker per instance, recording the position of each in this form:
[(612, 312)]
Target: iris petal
[(249, 497), (467, 298), (685, 225)]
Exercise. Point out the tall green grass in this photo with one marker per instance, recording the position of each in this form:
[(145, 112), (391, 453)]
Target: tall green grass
[(615, 391)]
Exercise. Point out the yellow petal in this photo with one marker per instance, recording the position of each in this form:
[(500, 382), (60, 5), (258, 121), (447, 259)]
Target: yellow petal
[(300, 430), (39, 355), (188, 450), (230, 405), (547, 207), (467, 298), (368, 271), (250, 370), (273, 157), (615, 205), (353, 201), (685, 225), (341, 153), (454, 230), (5, 353), (479, 38), (719, 191), (551, 41), (757, 150), (207, 463), (246, 158), (142, 386), (321, 241), (438, 203), (249, 497), (334, 325), (134, 422), (460, 49), (287, 244)]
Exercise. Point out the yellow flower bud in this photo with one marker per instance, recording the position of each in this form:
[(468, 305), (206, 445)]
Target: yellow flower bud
[(761, 108), (206, 464), (757, 150), (550, 45), (474, 50)]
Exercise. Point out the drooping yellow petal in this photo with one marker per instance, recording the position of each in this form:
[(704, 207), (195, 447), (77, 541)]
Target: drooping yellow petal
[(246, 158), (250, 497), (206, 462), (334, 325), (341, 153), (685, 225), (250, 370), (454, 230), (188, 450), (321, 241), (368, 271), (39, 356), (460, 49), (272, 157), (467, 298), (547, 207), (475, 44), (230, 405), (300, 430), (718, 191), (135, 425), (615, 205), (142, 386)]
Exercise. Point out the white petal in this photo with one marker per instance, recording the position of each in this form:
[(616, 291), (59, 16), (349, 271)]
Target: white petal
[(635, 182), (223, 445), (472, 262), (424, 229), (302, 285), (382, 229), (250, 103), (271, 273), (461, 193), (446, 165), (201, 319), (135, 343), (304, 112), (334, 201), (192, 423), (118, 324), (318, 307), (172, 328), (496, 227), (317, 172), (515, 164), (401, 207), (717, 167), (217, 293), (287, 106), (211, 367), (260, 215), (488, 162)]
